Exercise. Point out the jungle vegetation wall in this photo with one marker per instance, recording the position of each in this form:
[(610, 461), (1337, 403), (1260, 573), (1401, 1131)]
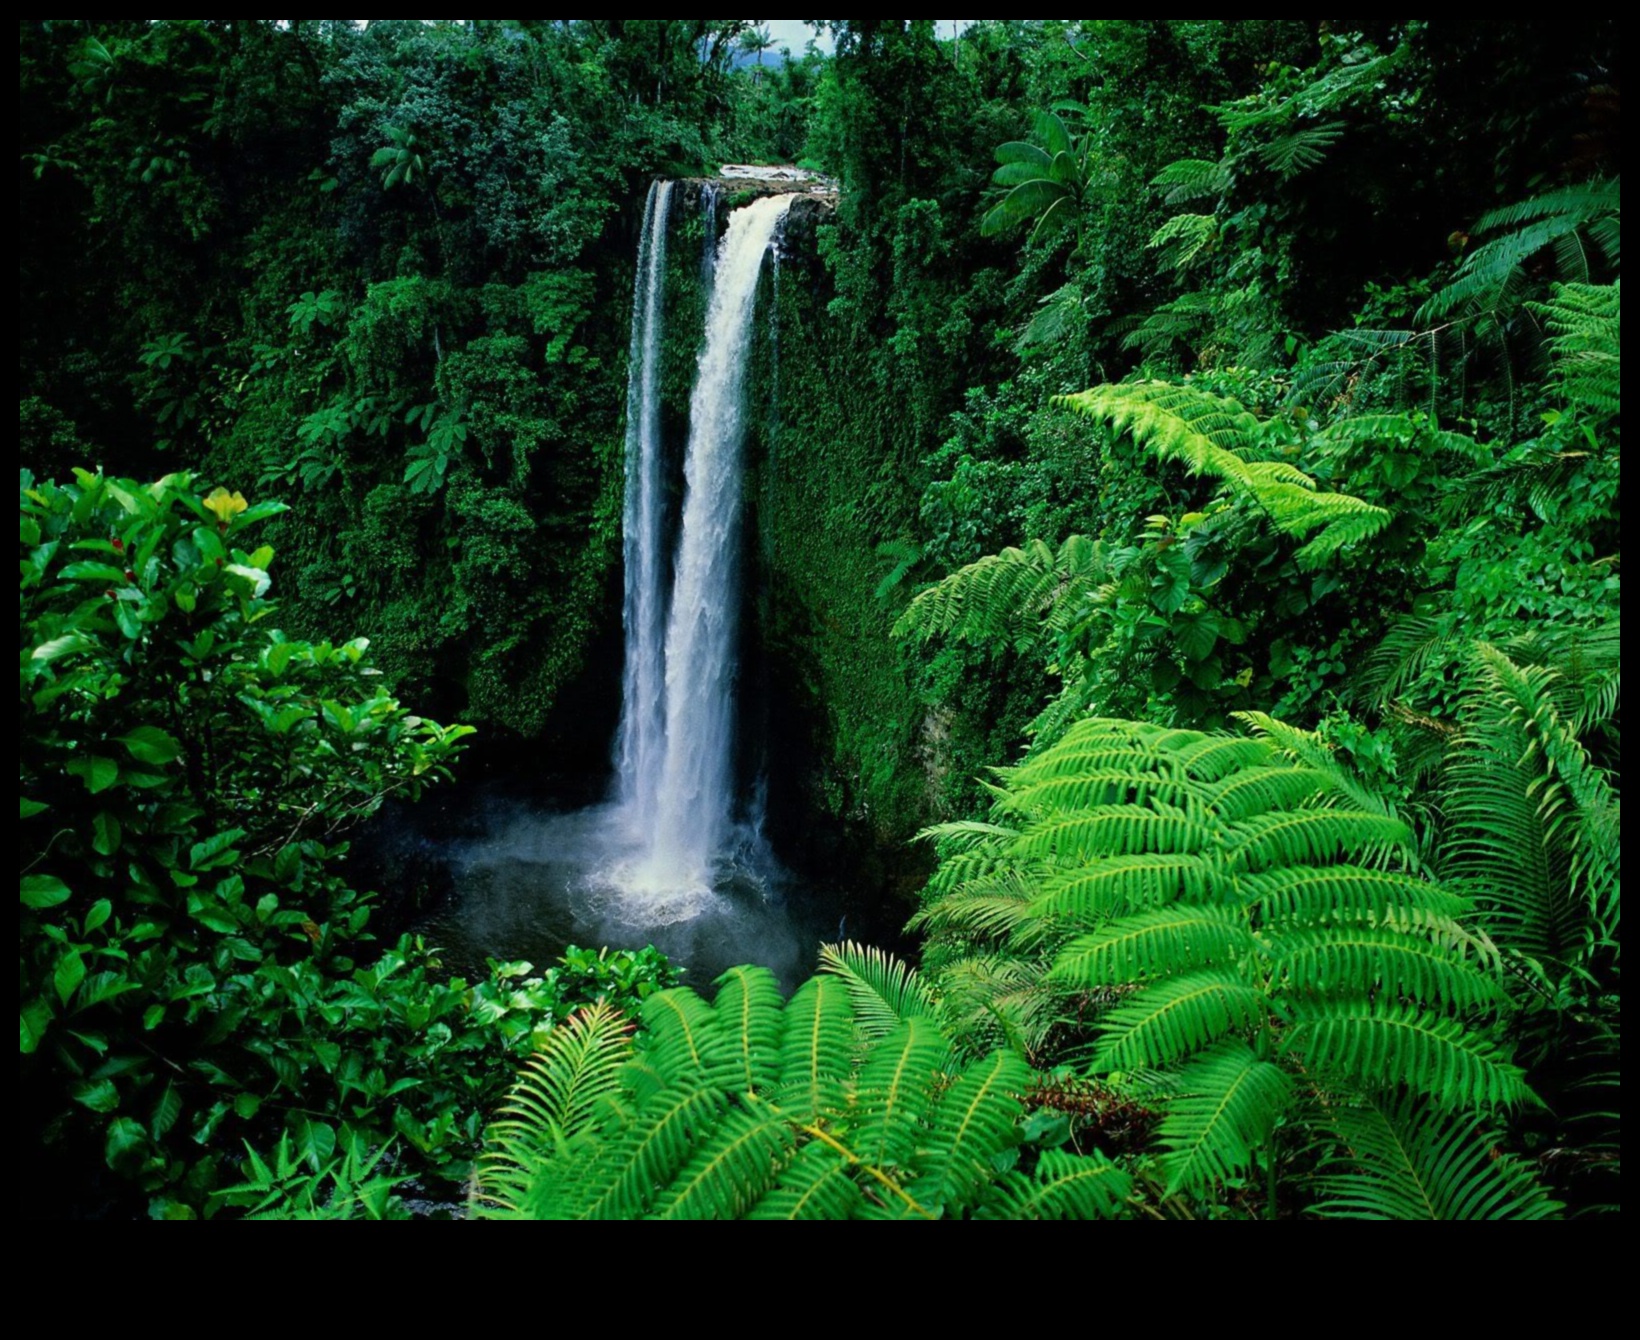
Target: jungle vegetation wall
[(384, 272)]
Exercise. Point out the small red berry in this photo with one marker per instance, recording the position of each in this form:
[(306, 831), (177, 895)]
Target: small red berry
[(119, 546)]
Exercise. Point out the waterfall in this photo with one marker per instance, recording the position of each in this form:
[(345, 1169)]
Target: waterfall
[(684, 794), (641, 740)]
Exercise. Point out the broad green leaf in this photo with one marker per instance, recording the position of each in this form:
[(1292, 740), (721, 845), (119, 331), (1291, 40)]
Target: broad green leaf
[(167, 1112), (42, 891), (68, 976), (98, 773), (59, 647), (32, 1022), (127, 1142), (316, 1143), (98, 916), (93, 572), (151, 745), (215, 852), (105, 834), (27, 809), (99, 1095)]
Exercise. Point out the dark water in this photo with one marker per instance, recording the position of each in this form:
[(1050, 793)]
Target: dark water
[(506, 879)]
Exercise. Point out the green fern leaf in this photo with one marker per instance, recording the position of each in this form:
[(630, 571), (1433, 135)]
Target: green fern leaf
[(1225, 1109), (816, 1048), (748, 1009), (1431, 1054), (1156, 943), (896, 1092), (885, 991), (1120, 884), (731, 1171), (1176, 1018), (816, 1185), (1405, 1161), (975, 1122), (1065, 1186)]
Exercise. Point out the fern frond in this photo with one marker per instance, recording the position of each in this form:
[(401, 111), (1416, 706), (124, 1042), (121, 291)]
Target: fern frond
[(1404, 1160), (1192, 179), (1300, 150), (1064, 1186), (1318, 763), (621, 1178), (896, 1092), (1223, 1113), (1217, 437), (885, 991), (1385, 964), (1313, 837), (730, 1172), (975, 1122), (1112, 830), (1183, 240), (1493, 271), (984, 909), (816, 1047), (748, 1010), (1347, 894), (816, 1185), (1120, 884), (1003, 599), (1157, 943), (684, 1034), (1176, 1018), (561, 1086), (1585, 344), (1431, 1054)]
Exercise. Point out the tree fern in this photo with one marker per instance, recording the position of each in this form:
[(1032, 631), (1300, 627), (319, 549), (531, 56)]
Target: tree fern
[(1580, 224), (1192, 179), (1238, 914), (744, 1108), (1399, 1161), (885, 992), (1218, 438), (561, 1088), (1004, 599), (1532, 825), (1585, 343)]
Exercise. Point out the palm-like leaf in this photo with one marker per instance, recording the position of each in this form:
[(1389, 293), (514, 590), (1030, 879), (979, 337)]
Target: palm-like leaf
[(1408, 1161), (1237, 914), (885, 991), (742, 1109)]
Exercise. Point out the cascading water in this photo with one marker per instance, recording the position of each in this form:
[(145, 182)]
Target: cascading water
[(641, 738), (691, 793), (675, 860)]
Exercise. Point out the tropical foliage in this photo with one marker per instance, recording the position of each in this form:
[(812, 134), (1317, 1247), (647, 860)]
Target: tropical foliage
[(1184, 479), (843, 1103)]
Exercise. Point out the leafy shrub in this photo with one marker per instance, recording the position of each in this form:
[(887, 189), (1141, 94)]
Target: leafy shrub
[(193, 963)]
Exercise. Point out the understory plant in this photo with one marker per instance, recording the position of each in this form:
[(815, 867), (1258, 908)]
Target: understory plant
[(1234, 929), (196, 969), (845, 1103)]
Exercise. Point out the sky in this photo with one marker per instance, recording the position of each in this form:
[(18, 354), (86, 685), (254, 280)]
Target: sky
[(794, 33)]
